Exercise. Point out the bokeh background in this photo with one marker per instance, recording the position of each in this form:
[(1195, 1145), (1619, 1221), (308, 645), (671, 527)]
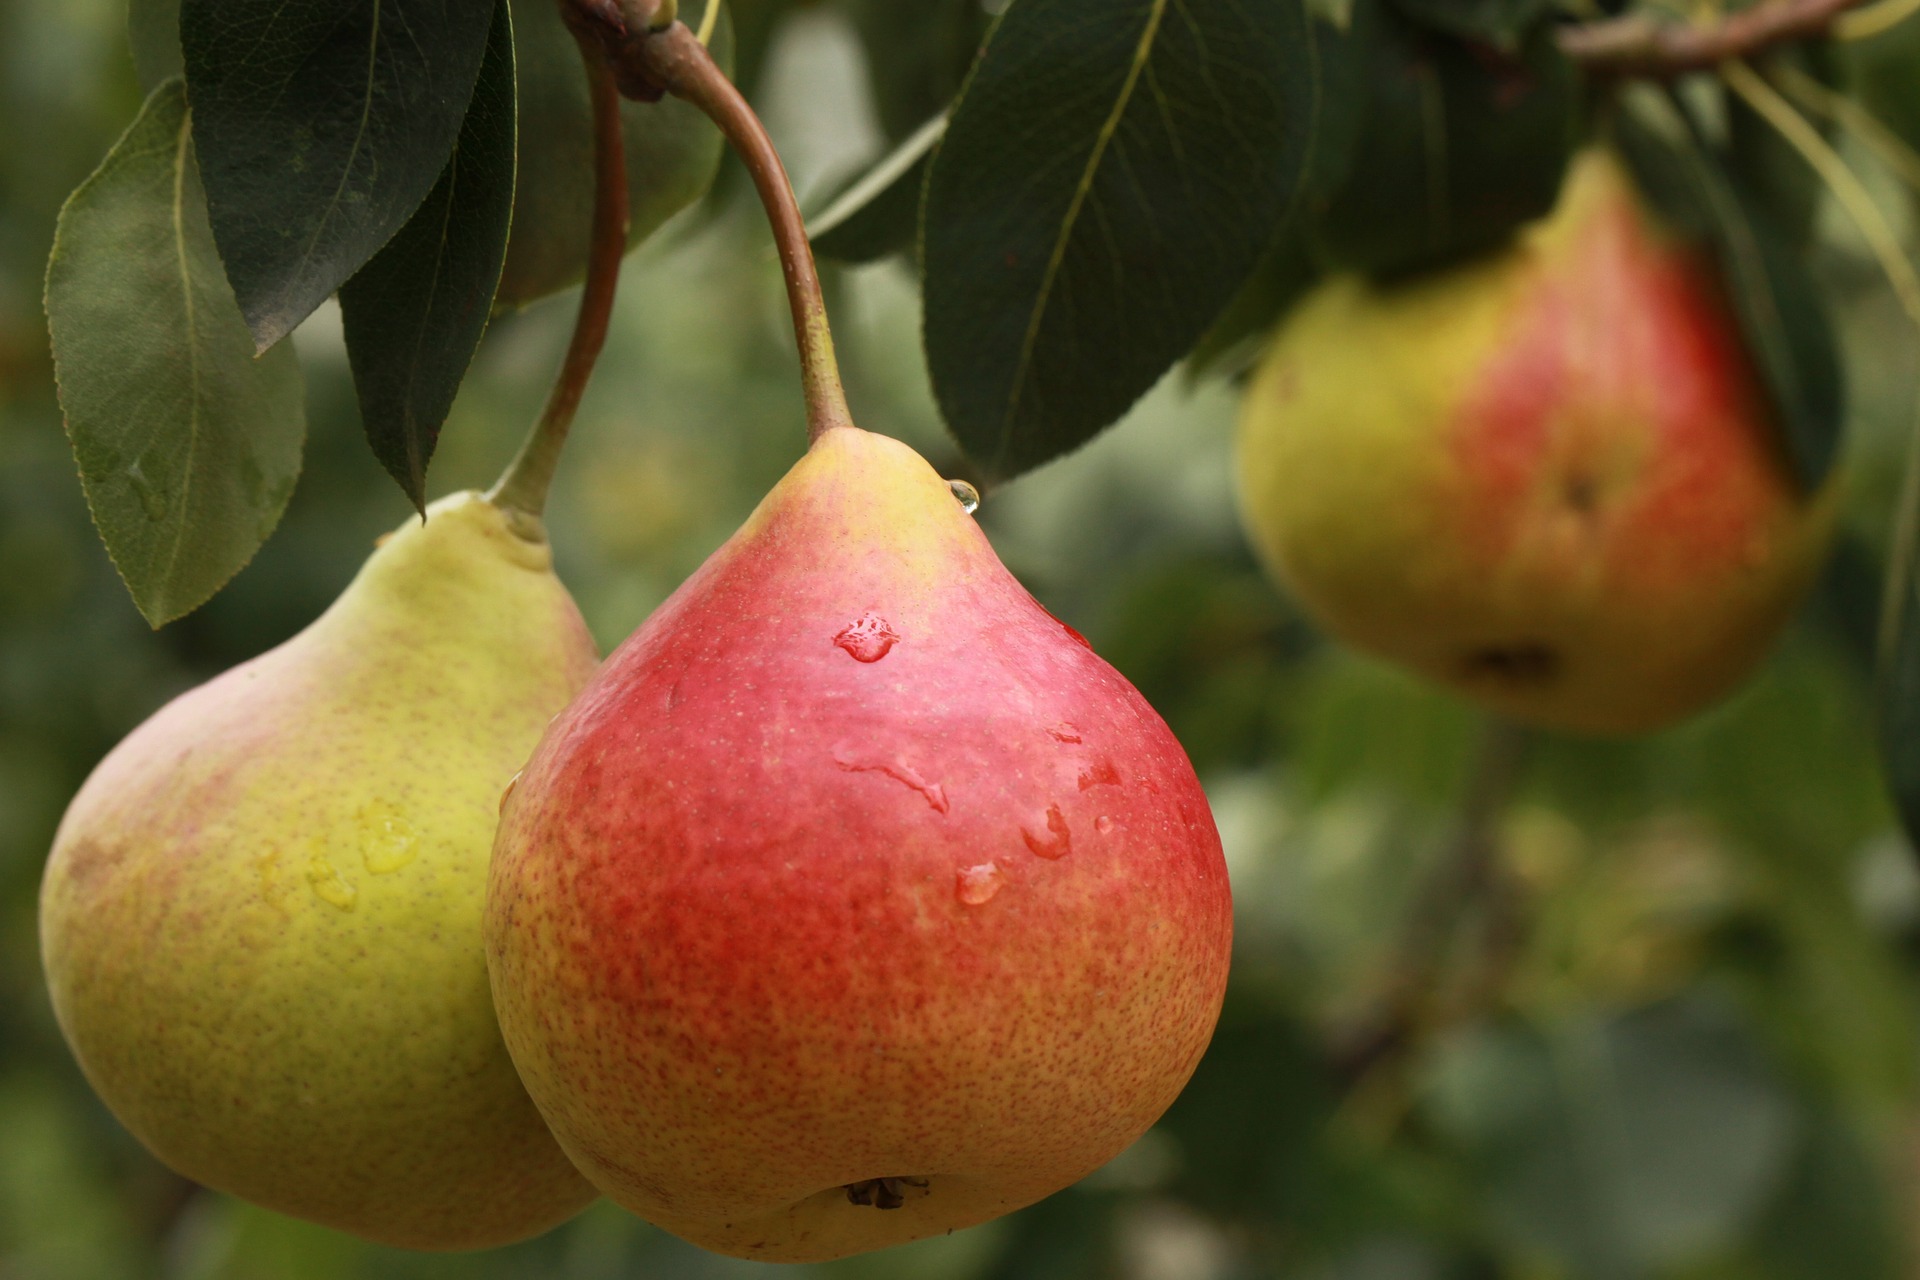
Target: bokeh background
[(1668, 1030)]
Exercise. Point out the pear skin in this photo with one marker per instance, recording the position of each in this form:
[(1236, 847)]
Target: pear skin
[(855, 900), (1548, 479), (261, 919)]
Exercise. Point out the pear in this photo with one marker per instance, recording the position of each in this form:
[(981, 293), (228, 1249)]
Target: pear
[(1548, 479), (855, 900), (261, 919)]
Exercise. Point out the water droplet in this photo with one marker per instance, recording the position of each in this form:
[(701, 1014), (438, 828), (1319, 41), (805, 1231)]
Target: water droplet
[(899, 770), (1064, 732), (868, 637), (1064, 627), (1057, 842), (1099, 775), (1103, 824), (328, 884), (507, 794), (273, 889), (965, 494), (975, 885), (391, 842)]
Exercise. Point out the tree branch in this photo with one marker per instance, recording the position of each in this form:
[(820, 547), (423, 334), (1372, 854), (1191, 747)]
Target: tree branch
[(1642, 46), (649, 63), (1467, 873)]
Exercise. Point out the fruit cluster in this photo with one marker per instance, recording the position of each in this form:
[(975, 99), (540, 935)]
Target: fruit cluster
[(854, 899)]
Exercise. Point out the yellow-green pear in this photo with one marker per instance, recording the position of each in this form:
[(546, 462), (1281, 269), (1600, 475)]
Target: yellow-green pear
[(261, 919), (1548, 478)]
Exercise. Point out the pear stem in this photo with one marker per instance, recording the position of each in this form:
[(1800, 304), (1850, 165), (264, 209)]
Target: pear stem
[(674, 60), (523, 487)]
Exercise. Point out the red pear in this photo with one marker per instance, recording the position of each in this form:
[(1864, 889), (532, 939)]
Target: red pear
[(856, 899), (1548, 478)]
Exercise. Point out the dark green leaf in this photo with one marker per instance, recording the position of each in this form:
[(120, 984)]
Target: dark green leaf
[(878, 212), (1768, 166), (1775, 300), (1458, 148), (918, 52), (188, 446), (1503, 24), (1624, 1144), (1281, 278), (1290, 265), (414, 315), (1113, 170), (153, 29), (1884, 73), (672, 153), (320, 126)]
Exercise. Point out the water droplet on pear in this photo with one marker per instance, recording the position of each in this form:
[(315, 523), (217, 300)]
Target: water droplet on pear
[(868, 637), (965, 494), (1057, 840), (974, 886)]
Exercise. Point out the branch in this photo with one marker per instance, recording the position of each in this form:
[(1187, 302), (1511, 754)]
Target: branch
[(1640, 45), (1468, 872), (650, 62)]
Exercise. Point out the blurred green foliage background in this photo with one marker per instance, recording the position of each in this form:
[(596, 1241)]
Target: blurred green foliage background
[(1672, 1034)]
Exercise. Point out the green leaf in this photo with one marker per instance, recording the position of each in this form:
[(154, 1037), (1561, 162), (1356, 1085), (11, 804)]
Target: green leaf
[(1281, 278), (1884, 74), (918, 53), (1620, 1145), (1768, 166), (153, 29), (414, 315), (1503, 24), (1779, 308), (1291, 264), (878, 212), (1112, 172), (321, 125), (188, 446), (672, 155), (1458, 149)]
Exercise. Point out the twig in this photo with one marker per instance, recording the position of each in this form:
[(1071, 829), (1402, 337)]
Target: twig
[(1468, 871), (523, 487), (1639, 45), (649, 64)]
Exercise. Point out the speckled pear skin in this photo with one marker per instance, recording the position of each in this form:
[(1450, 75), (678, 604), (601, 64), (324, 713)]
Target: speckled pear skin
[(261, 919), (1548, 478), (852, 864)]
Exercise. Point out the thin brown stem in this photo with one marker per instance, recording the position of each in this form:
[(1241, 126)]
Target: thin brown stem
[(675, 61), (1639, 45), (524, 485), (1467, 873)]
